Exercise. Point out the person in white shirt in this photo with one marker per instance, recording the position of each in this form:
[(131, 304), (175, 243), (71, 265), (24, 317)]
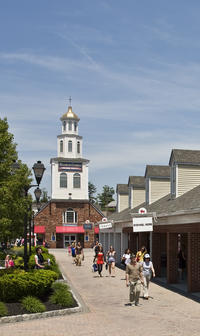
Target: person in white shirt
[(148, 272)]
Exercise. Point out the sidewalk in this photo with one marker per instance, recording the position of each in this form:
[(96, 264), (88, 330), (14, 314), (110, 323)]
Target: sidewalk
[(105, 310)]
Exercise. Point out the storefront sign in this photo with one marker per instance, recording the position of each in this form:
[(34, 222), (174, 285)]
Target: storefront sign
[(87, 226), (70, 167), (144, 224), (105, 226)]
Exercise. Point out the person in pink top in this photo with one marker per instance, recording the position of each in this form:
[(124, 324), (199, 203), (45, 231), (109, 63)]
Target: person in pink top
[(9, 261)]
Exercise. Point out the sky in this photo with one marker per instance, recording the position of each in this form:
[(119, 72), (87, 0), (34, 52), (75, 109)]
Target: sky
[(131, 67)]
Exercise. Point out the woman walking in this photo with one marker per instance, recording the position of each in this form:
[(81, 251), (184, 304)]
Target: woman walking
[(148, 271), (100, 260), (111, 257), (140, 254)]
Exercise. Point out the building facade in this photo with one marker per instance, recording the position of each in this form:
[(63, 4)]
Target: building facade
[(68, 216)]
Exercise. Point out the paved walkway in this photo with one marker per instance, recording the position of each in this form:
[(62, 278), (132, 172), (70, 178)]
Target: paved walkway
[(106, 311)]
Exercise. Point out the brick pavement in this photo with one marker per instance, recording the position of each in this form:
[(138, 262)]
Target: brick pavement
[(105, 311)]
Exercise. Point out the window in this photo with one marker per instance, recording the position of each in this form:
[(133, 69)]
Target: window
[(63, 180), (69, 146), (61, 146), (64, 125), (77, 180), (75, 126), (70, 216), (70, 126), (78, 147)]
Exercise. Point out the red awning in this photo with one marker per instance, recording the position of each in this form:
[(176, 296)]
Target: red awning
[(70, 229), (96, 230), (39, 229)]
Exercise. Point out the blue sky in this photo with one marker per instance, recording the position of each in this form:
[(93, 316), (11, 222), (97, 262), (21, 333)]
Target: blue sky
[(131, 67)]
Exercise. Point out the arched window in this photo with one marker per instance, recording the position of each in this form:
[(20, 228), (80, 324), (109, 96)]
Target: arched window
[(77, 180), (78, 147), (69, 146), (64, 125), (75, 126), (70, 216), (63, 180), (61, 146), (70, 126)]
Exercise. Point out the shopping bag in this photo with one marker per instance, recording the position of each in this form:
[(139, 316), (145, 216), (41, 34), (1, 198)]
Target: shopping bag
[(94, 266)]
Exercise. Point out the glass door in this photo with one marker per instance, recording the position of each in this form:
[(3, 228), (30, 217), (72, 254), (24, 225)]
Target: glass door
[(69, 239)]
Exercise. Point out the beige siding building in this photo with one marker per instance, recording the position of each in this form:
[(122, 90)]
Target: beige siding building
[(136, 185), (157, 182), (122, 197)]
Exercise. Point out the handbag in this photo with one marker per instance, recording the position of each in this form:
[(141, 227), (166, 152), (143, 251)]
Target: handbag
[(95, 268)]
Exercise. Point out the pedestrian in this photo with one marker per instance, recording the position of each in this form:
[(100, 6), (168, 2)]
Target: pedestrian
[(148, 272), (79, 254), (181, 262), (39, 260), (9, 261), (126, 259), (69, 249), (73, 250), (96, 249), (134, 279), (100, 260), (140, 254), (111, 258)]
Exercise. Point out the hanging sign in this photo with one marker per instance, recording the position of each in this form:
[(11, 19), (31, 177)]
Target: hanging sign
[(105, 226), (144, 224), (142, 211)]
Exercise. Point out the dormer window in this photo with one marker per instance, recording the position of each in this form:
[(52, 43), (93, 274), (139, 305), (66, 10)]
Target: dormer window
[(78, 147), (61, 146), (70, 126), (70, 146)]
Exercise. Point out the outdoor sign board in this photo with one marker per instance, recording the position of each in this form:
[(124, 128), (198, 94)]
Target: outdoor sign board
[(87, 226), (70, 167), (105, 226), (144, 224)]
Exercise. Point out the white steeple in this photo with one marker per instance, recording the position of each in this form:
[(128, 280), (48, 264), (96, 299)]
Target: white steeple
[(69, 169)]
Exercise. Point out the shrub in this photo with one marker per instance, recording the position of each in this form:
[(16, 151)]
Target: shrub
[(17, 250), (33, 305), (63, 298), (19, 262), (16, 285), (59, 286), (3, 309)]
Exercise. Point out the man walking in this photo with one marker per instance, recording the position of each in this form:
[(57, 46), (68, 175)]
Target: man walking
[(134, 279)]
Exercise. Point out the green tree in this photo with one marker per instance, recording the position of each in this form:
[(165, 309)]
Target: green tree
[(106, 196), (13, 204), (44, 197), (91, 191)]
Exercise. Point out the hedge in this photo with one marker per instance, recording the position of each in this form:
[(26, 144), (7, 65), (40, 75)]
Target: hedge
[(15, 286)]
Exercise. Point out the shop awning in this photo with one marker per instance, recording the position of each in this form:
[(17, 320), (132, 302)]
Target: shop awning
[(39, 229), (96, 230), (70, 229)]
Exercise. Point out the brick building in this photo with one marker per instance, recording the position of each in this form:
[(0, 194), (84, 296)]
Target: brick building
[(69, 215)]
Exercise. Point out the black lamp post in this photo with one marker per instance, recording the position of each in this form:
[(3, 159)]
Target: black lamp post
[(38, 169)]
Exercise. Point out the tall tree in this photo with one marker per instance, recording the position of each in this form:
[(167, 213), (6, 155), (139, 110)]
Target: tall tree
[(13, 204), (91, 192), (106, 196), (44, 197)]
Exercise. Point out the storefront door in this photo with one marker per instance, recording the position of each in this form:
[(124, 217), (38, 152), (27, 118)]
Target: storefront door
[(69, 239)]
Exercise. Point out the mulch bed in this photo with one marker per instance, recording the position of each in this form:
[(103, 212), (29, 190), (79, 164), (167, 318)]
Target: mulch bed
[(15, 308)]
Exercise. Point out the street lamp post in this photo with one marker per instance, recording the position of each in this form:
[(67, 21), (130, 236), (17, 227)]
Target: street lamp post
[(38, 169)]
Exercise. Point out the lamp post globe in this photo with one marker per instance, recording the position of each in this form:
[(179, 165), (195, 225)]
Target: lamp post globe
[(38, 194), (38, 169)]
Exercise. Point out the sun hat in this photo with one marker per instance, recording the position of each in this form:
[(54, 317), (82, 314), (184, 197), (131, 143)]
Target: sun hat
[(147, 256)]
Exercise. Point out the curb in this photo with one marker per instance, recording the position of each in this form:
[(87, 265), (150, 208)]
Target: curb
[(59, 312)]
